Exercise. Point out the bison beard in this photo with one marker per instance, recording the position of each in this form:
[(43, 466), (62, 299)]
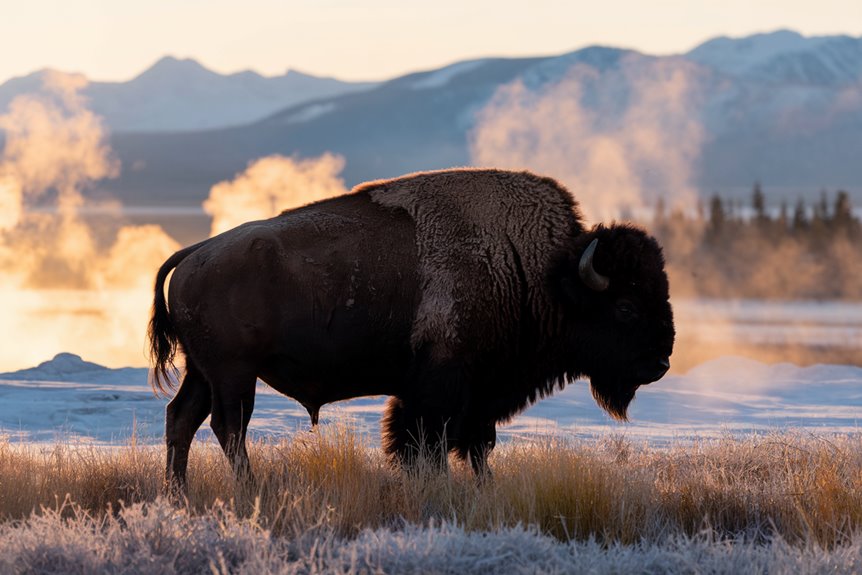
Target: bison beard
[(466, 295), (614, 399)]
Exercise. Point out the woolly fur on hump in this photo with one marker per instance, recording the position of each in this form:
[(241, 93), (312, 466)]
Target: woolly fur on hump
[(486, 239)]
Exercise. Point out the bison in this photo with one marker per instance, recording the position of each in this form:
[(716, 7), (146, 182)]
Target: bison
[(463, 294)]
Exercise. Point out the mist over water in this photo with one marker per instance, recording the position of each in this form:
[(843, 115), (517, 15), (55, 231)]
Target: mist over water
[(626, 142), (62, 289), (67, 286)]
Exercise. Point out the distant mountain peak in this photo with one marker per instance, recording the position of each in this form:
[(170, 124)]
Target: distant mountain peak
[(171, 69), (783, 35), (169, 61)]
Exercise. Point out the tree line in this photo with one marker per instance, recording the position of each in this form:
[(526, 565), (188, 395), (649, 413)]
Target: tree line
[(728, 248)]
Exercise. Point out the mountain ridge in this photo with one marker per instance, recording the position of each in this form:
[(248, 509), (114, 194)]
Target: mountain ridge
[(790, 116), (180, 94)]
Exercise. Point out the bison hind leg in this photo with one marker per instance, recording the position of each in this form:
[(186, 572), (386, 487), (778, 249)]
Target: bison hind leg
[(183, 416), (233, 390)]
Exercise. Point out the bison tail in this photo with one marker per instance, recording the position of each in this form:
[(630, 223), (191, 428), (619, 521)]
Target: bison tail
[(161, 333)]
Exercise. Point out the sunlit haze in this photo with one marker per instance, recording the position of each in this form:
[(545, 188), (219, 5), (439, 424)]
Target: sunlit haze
[(373, 40), (631, 140)]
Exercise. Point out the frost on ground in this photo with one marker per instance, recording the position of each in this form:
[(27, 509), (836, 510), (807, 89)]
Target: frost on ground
[(806, 492), (159, 538), (71, 400)]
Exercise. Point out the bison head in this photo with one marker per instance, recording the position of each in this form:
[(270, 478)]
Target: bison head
[(620, 320)]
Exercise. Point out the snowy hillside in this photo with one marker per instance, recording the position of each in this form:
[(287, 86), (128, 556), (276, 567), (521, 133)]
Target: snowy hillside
[(72, 400), (780, 108)]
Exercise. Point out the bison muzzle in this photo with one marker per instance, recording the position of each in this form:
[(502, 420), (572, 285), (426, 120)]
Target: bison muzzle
[(465, 295)]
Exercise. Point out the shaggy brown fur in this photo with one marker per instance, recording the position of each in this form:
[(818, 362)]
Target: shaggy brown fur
[(456, 292)]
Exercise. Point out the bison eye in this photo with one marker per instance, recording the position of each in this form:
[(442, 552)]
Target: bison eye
[(626, 311)]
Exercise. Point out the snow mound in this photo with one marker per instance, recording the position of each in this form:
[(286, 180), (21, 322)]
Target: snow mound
[(62, 367), (68, 367)]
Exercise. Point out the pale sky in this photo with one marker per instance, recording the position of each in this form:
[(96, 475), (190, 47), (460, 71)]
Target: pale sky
[(373, 39)]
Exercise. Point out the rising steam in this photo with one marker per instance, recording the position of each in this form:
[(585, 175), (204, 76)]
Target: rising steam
[(619, 153), (271, 185), (619, 150), (65, 288), (61, 288)]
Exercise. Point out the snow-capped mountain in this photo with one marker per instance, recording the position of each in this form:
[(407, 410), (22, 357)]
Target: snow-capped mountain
[(780, 108), (785, 57), (182, 95)]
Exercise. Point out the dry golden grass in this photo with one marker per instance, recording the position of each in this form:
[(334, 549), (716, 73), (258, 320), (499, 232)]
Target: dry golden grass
[(800, 487)]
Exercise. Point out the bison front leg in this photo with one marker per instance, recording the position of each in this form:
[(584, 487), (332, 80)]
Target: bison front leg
[(183, 416), (426, 420), (476, 445), (411, 434)]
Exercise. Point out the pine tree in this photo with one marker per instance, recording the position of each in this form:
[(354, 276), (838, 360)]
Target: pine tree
[(717, 215), (842, 214), (758, 203)]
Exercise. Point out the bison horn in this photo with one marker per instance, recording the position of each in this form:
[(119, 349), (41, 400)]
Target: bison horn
[(591, 278)]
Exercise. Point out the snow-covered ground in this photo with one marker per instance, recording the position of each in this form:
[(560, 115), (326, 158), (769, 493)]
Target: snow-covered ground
[(71, 400)]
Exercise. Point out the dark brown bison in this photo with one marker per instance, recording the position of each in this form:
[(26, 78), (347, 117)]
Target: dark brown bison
[(463, 294)]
